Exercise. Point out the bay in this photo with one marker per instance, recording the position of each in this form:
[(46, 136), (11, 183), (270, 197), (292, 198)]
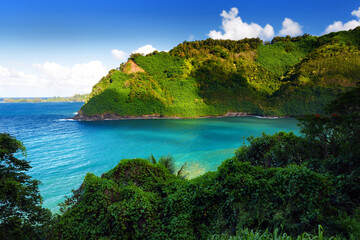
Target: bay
[(62, 151)]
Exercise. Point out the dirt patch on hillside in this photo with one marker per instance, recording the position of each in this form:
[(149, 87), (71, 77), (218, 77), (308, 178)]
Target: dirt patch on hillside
[(132, 67)]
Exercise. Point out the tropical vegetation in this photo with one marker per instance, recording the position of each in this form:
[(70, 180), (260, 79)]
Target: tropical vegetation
[(281, 186), (287, 76), (21, 213)]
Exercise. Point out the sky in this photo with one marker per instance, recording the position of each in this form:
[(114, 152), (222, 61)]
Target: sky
[(63, 47)]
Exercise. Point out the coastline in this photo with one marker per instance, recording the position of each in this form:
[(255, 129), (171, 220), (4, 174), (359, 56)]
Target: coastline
[(44, 101), (114, 116)]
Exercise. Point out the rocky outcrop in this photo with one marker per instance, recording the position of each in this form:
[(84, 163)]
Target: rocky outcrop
[(113, 116)]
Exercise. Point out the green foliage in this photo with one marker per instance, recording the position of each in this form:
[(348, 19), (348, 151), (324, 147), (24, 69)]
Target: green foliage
[(330, 65), (351, 224), (335, 138), (290, 76), (21, 213), (280, 56), (169, 163), (279, 183), (278, 150), (138, 199), (266, 235), (124, 202), (298, 101), (330, 146), (189, 49), (274, 197)]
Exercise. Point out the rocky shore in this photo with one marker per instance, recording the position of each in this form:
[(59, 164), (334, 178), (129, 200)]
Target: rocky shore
[(113, 116)]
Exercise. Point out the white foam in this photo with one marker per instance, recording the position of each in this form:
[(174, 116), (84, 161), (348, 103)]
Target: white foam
[(65, 120), (266, 117)]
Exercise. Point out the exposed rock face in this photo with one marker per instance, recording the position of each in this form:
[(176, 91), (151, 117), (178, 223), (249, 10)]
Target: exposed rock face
[(132, 67)]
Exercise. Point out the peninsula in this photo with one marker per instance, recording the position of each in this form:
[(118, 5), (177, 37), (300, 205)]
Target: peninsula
[(75, 98), (289, 76)]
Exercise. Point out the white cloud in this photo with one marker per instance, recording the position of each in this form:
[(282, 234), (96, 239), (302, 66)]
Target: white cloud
[(145, 49), (235, 29), (289, 27), (118, 54), (191, 37), (52, 70), (340, 26), (13, 78), (356, 13), (52, 79), (80, 76)]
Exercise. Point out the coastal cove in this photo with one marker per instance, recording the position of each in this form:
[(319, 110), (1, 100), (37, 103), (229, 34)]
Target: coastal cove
[(62, 151)]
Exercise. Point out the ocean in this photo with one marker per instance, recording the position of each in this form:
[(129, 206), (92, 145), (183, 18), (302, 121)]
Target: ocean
[(62, 151)]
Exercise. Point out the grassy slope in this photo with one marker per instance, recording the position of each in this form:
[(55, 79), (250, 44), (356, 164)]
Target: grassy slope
[(290, 76)]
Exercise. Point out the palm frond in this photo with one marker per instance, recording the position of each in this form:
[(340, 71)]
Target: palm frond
[(168, 162), (152, 159), (181, 172)]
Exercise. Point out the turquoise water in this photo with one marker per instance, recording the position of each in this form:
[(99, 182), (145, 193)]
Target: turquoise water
[(62, 151)]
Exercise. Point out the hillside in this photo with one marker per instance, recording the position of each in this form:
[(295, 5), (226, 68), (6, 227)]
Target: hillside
[(287, 76)]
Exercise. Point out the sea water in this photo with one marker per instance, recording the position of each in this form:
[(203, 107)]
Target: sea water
[(62, 151)]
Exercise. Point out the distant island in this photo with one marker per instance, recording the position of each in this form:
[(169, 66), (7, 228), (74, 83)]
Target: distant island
[(75, 98), (289, 76)]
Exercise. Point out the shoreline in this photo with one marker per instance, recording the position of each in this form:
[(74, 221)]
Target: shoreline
[(114, 116), (41, 101)]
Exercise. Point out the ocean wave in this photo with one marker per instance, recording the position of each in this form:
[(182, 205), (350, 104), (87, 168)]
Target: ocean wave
[(65, 120), (266, 117)]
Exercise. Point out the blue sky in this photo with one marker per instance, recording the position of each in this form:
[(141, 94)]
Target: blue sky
[(63, 47)]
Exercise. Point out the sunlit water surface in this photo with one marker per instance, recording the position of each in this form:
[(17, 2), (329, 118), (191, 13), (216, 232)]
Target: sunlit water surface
[(63, 151)]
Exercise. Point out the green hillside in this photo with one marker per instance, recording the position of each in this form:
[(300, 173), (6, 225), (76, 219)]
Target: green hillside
[(287, 76)]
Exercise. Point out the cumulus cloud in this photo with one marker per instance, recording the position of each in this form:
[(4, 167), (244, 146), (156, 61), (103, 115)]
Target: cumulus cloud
[(145, 49), (123, 56), (235, 29), (80, 76), (356, 13), (13, 78), (51, 79), (118, 54), (52, 70), (191, 37), (340, 26), (289, 27)]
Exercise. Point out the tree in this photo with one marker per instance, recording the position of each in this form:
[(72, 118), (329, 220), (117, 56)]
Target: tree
[(335, 138), (21, 213)]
